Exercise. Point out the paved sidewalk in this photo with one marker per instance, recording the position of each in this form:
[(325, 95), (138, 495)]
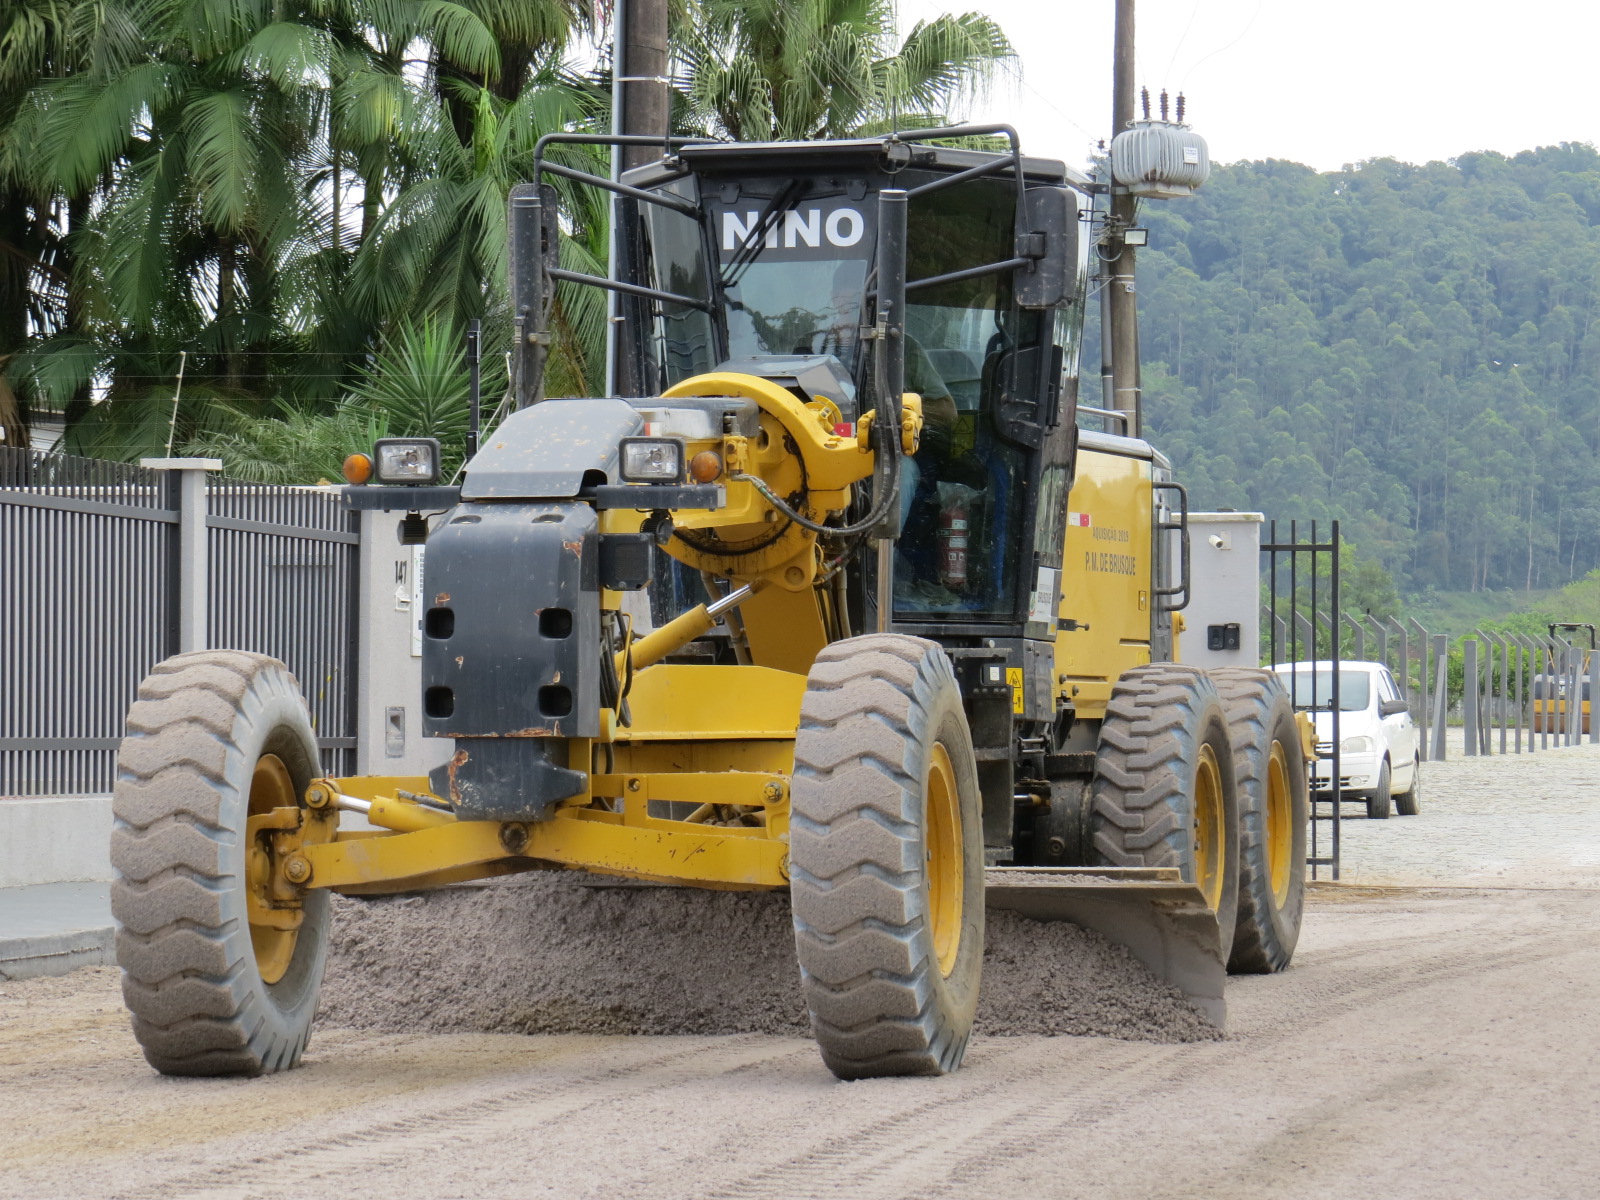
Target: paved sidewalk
[(1530, 820), (53, 928)]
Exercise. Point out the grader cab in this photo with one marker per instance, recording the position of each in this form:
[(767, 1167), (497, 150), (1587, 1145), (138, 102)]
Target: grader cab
[(834, 598)]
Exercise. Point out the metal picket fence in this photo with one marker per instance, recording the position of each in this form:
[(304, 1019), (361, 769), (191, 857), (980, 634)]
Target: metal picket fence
[(108, 568), (1529, 690), (1509, 693)]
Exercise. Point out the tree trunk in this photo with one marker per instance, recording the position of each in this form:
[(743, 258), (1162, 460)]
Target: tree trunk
[(227, 313), (1528, 584), (17, 247), (338, 190), (77, 216), (371, 199)]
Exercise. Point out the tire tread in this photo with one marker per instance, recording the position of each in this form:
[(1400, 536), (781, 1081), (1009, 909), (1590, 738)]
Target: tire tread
[(185, 979), (1254, 701), (866, 970)]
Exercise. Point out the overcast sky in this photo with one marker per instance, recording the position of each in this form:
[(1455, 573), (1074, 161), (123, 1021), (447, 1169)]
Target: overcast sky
[(1319, 83)]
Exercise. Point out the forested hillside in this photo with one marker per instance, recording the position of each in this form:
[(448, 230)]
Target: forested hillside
[(1413, 349)]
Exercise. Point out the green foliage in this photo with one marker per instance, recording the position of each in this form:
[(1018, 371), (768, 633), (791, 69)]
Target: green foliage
[(1578, 601), (264, 194), (785, 70), (300, 205), (1414, 350), (289, 443)]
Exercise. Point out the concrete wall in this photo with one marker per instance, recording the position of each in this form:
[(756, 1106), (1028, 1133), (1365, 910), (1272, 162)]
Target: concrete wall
[(54, 839), (1225, 588)]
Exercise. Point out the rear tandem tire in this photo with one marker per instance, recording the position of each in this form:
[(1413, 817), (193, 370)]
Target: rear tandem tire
[(1273, 810), (1409, 802), (214, 738), (886, 859), (1379, 801), (1163, 792)]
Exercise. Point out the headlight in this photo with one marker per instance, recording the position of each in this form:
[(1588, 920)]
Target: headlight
[(651, 460), (1356, 745), (406, 460)]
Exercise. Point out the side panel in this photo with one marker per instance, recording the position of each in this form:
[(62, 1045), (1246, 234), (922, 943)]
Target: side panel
[(1106, 579)]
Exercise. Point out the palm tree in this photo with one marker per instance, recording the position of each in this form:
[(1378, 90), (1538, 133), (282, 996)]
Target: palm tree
[(217, 161), (791, 70), (441, 246), (42, 39)]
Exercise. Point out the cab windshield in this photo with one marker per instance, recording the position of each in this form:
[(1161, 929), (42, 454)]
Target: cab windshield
[(796, 272)]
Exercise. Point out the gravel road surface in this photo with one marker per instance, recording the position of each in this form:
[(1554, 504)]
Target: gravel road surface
[(1430, 1041)]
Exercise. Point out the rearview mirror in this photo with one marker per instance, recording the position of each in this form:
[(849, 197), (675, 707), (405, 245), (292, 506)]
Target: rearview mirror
[(1047, 232), (534, 233), (1390, 708)]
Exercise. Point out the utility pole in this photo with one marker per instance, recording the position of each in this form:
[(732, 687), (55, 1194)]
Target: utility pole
[(1122, 309), (640, 103), (642, 34)]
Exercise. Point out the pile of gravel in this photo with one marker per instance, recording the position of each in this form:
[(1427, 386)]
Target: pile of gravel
[(563, 953)]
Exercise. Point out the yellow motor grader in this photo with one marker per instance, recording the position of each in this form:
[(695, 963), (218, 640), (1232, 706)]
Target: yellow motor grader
[(836, 598)]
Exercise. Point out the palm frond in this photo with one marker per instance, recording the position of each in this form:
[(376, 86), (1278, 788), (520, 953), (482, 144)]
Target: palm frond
[(223, 157), (292, 55), (83, 124), (290, 443)]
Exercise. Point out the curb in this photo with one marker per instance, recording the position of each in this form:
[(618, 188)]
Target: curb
[(53, 928), (56, 953)]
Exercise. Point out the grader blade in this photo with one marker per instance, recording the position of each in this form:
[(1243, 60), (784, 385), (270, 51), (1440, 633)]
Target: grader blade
[(1163, 921)]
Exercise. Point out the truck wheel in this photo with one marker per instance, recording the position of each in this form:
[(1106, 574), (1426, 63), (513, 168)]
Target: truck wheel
[(1378, 799), (886, 859), (221, 979), (1270, 771), (1409, 802), (1163, 792)]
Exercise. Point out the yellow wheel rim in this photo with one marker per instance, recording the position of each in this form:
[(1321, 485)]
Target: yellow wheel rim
[(1280, 826), (946, 882), (270, 787), (1210, 848)]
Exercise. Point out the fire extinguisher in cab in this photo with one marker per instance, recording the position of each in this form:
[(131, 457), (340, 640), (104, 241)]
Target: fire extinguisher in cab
[(953, 531)]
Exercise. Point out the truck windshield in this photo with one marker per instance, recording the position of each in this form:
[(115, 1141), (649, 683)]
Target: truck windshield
[(682, 341), (794, 274)]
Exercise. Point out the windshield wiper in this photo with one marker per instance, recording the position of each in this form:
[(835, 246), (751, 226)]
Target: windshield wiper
[(755, 240)]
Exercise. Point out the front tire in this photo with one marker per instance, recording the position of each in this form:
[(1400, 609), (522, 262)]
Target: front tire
[(1270, 770), (1379, 801), (886, 859), (215, 983), (1164, 792)]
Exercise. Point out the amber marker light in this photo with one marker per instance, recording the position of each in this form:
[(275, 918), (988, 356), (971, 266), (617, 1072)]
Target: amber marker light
[(358, 469), (705, 466)]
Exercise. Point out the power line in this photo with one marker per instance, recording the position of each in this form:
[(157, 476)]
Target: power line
[(1249, 25), (1181, 39)]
